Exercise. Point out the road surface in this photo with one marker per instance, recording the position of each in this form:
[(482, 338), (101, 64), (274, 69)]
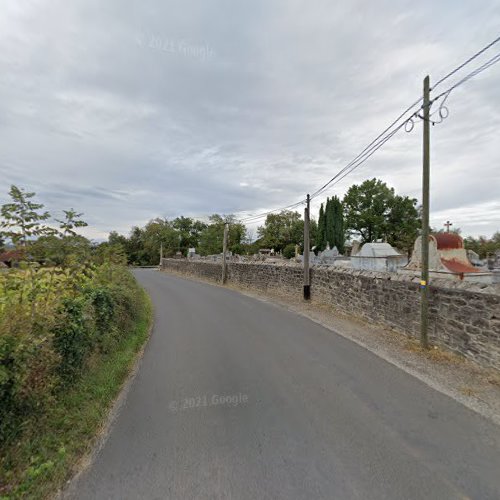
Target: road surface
[(240, 399)]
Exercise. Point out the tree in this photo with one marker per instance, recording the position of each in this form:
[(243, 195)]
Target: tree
[(156, 233), (22, 218), (189, 231), (313, 231), (211, 237), (281, 229), (403, 223), (331, 225), (373, 211), (117, 239), (367, 208), (335, 224), (442, 230), (289, 251), (482, 245), (71, 221), (321, 231), (135, 247)]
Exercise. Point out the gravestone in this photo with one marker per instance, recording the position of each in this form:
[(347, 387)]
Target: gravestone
[(356, 246)]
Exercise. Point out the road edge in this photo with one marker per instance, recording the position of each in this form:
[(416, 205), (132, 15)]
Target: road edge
[(86, 461), (474, 404)]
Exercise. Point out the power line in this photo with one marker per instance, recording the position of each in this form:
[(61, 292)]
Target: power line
[(367, 149), (369, 154), (390, 131), (472, 74), (254, 218), (458, 68), (374, 145)]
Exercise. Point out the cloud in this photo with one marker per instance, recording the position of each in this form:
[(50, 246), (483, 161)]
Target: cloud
[(128, 110)]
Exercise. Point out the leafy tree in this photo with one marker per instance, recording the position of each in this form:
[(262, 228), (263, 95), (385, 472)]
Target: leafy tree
[(211, 237), (482, 245), (403, 223), (158, 232), (455, 230), (22, 218), (373, 211), (281, 230), (53, 250), (189, 231), (115, 238), (367, 208), (135, 247), (71, 221)]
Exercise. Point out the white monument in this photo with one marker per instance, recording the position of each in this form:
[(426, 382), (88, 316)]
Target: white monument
[(378, 257)]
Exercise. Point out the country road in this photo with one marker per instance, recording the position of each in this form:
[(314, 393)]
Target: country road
[(237, 398)]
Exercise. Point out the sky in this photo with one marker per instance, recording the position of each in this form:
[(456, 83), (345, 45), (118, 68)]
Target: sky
[(128, 110)]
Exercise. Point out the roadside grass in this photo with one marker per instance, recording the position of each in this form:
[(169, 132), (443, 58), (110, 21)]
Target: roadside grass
[(51, 447)]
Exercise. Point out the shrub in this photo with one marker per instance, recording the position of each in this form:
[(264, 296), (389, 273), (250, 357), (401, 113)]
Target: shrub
[(52, 322), (27, 363), (73, 336), (104, 306), (289, 251)]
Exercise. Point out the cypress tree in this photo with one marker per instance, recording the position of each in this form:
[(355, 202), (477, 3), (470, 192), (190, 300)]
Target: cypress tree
[(321, 234), (329, 217), (338, 232)]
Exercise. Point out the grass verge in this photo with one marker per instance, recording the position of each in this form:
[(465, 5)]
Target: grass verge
[(39, 463)]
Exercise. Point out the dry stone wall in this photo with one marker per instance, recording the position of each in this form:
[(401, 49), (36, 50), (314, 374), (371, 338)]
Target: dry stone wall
[(464, 317)]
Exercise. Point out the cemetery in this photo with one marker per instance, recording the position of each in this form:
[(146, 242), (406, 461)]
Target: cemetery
[(448, 259)]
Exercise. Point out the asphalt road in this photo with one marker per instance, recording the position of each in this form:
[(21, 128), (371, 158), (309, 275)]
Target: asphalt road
[(240, 399)]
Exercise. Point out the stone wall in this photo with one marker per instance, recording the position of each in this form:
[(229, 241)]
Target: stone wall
[(464, 317)]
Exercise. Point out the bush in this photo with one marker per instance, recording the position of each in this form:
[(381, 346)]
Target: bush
[(73, 336), (27, 363), (52, 322), (289, 251), (103, 304)]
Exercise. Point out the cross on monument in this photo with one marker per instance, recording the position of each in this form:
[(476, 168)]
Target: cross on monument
[(448, 224)]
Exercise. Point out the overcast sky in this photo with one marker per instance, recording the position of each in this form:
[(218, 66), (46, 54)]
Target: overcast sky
[(131, 109)]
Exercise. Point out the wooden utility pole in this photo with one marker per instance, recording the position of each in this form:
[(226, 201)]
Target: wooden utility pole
[(424, 281), (224, 253), (307, 282), (161, 254)]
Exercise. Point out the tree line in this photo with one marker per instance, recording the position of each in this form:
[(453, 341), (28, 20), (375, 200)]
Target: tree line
[(368, 212)]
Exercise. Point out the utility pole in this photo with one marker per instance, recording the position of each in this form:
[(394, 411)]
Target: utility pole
[(161, 253), (224, 253), (424, 281), (307, 281)]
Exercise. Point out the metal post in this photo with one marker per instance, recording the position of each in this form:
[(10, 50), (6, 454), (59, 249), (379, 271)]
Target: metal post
[(224, 252), (307, 283), (424, 283)]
